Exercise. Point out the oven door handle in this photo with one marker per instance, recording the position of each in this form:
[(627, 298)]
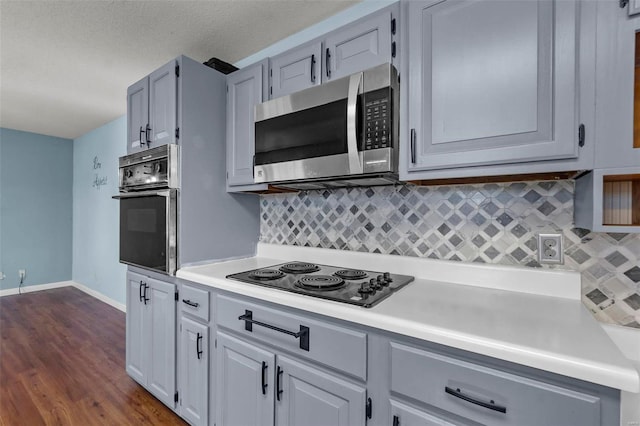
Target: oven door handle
[(163, 193), (355, 87)]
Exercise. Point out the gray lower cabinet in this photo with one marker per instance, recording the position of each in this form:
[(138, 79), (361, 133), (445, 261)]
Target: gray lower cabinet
[(490, 82), (245, 88), (254, 383), (310, 397), (405, 415), (151, 335), (194, 371), (456, 390), (152, 109), (245, 383)]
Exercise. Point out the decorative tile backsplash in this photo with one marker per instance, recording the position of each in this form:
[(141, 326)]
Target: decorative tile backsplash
[(490, 223)]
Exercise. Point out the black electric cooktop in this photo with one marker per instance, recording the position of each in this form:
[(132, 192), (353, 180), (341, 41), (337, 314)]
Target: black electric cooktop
[(357, 287)]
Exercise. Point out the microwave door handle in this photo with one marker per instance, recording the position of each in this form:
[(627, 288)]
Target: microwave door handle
[(355, 87)]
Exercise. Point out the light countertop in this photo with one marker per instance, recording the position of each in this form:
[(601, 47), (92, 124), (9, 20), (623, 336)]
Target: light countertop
[(466, 306)]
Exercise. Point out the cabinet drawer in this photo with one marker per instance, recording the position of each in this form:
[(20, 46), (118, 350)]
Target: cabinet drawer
[(481, 393), (195, 301), (335, 346)]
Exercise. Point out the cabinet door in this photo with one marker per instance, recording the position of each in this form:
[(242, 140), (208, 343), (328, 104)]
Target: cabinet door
[(137, 115), (403, 415), (194, 371), (295, 70), (163, 112), (135, 329), (311, 397), (491, 82), (634, 7), (617, 88), (160, 330), (244, 91), (245, 380), (358, 46)]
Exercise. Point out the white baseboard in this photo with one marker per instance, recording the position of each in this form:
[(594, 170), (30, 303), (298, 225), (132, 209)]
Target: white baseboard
[(109, 301), (32, 288), (81, 287)]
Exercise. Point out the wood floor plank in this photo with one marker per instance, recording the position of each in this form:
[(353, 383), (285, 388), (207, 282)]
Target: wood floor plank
[(62, 362)]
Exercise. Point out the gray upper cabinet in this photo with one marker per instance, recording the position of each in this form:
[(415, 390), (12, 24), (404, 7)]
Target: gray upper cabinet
[(490, 82), (137, 115), (151, 335), (360, 45), (616, 71), (295, 70), (634, 7), (152, 109), (245, 383), (194, 371), (245, 89), (163, 111), (310, 397)]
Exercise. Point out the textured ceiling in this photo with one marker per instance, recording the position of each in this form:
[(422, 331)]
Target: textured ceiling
[(65, 65)]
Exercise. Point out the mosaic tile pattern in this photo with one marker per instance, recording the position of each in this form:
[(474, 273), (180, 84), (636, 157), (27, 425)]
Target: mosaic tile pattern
[(491, 223)]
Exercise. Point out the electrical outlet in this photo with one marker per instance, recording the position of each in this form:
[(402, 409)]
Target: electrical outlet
[(21, 273), (550, 249)]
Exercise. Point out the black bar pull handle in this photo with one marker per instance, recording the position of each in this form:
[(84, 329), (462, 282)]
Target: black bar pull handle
[(413, 146), (313, 68), (140, 296), (491, 405), (303, 334), (327, 63), (190, 303), (264, 378), (146, 134), (146, 299), (199, 345), (396, 421), (279, 383), (140, 135)]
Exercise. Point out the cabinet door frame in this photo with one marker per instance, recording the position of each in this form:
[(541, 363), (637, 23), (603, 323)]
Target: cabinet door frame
[(555, 137), (194, 371), (294, 374), (240, 165), (252, 395), (136, 318), (137, 115), (161, 335), (295, 70), (163, 105), (347, 47)]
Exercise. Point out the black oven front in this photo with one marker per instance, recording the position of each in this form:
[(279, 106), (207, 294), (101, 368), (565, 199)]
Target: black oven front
[(148, 230)]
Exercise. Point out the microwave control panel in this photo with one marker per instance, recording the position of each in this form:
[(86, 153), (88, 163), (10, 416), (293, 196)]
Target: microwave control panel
[(377, 119)]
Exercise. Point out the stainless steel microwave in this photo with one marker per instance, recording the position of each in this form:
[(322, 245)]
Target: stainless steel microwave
[(341, 133)]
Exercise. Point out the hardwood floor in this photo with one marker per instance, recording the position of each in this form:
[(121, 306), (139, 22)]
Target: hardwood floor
[(62, 362)]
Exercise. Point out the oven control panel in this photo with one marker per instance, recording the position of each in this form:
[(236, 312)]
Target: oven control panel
[(152, 168), (377, 119)]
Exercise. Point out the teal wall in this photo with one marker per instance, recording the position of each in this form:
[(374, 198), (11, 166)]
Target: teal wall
[(95, 213), (36, 176)]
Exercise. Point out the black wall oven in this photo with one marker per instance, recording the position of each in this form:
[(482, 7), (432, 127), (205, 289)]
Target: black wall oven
[(148, 209)]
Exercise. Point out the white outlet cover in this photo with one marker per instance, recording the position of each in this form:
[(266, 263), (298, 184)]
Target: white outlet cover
[(554, 243)]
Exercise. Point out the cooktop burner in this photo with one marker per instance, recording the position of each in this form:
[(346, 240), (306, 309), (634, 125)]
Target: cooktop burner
[(267, 274), (299, 268), (357, 287), (320, 282)]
